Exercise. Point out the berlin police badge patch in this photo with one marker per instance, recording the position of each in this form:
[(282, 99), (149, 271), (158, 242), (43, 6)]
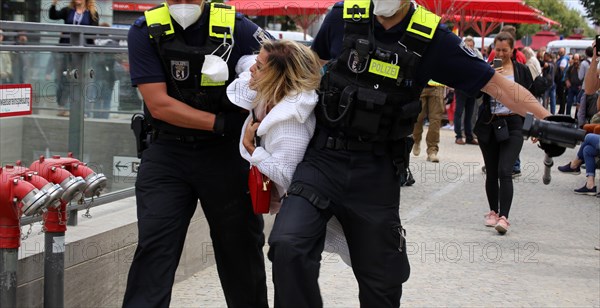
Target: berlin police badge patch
[(180, 70), (467, 50)]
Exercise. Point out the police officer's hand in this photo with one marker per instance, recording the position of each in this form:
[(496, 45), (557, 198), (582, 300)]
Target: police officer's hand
[(229, 124)]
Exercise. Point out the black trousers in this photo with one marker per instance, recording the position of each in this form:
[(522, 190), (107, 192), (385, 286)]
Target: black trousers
[(364, 195), (172, 177), (499, 159)]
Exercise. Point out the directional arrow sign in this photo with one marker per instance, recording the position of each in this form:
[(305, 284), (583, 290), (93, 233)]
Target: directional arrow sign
[(125, 166), (120, 167)]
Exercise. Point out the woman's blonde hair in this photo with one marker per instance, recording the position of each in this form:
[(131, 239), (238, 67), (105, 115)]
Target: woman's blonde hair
[(529, 53), (90, 5), (290, 68)]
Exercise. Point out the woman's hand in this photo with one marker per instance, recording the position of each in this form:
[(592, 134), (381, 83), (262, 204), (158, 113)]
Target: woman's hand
[(249, 133)]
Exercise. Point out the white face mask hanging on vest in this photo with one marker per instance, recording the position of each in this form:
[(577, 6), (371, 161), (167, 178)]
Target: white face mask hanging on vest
[(185, 14), (386, 8), (215, 67)]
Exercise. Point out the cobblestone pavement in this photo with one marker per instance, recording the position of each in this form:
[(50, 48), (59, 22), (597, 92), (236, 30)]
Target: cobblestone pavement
[(547, 258)]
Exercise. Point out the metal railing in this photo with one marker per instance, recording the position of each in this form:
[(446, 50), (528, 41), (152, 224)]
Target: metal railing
[(90, 124)]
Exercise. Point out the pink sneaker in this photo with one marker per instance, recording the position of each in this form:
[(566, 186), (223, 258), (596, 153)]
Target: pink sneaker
[(491, 219), (502, 225)]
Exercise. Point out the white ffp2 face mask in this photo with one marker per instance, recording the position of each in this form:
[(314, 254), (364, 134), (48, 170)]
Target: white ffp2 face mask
[(185, 14), (386, 8), (215, 68)]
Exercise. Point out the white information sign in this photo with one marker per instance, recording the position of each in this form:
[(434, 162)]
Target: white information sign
[(15, 99), (125, 166)]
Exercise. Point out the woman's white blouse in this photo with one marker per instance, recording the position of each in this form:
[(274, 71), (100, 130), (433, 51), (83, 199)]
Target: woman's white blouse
[(285, 132)]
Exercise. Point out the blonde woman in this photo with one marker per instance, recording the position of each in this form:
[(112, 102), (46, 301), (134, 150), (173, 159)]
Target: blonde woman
[(78, 12), (280, 89)]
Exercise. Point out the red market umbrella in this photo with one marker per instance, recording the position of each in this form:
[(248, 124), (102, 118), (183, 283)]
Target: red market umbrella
[(474, 7), (281, 7), (303, 12), (485, 15), (506, 17)]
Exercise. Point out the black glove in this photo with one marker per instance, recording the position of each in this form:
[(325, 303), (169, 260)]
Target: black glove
[(229, 124)]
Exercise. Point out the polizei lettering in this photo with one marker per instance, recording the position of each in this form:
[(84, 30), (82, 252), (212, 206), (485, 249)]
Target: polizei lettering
[(384, 69)]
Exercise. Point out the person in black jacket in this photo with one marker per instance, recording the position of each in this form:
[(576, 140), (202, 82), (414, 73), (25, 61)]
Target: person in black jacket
[(78, 12), (501, 138), (548, 68)]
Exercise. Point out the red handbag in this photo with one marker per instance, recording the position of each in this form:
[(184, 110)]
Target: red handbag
[(260, 191), (259, 185)]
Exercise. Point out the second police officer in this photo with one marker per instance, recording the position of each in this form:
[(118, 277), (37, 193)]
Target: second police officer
[(383, 53), (182, 56)]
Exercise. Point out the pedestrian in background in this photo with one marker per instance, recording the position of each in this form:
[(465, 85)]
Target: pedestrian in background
[(432, 109), (549, 71), (5, 63), (78, 12), (465, 105), (104, 78), (499, 129)]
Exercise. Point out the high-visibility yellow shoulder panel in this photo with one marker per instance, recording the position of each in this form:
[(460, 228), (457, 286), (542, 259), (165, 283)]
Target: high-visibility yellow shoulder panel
[(160, 15), (221, 20), (356, 9), (423, 23)]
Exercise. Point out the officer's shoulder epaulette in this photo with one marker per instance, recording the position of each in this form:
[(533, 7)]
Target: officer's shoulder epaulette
[(239, 16), (140, 21), (339, 5)]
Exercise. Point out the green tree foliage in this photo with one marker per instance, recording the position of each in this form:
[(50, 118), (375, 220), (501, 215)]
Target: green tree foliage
[(569, 19), (592, 8)]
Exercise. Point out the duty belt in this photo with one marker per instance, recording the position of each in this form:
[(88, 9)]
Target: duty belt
[(164, 135), (342, 143)]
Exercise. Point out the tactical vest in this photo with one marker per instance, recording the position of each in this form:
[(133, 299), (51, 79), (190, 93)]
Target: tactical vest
[(369, 92), (183, 63)]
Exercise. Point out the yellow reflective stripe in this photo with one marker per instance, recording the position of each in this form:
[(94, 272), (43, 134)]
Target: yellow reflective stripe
[(160, 15), (356, 9), (435, 84), (205, 81), (423, 23), (221, 17)]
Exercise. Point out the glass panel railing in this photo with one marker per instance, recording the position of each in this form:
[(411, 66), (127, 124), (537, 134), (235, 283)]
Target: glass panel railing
[(82, 100)]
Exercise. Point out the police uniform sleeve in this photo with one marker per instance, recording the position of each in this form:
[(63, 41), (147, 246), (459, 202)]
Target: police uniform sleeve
[(328, 42), (448, 61), (144, 62), (249, 36)]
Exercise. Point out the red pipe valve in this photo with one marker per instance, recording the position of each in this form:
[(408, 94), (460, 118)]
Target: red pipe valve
[(55, 172), (14, 190), (94, 182)]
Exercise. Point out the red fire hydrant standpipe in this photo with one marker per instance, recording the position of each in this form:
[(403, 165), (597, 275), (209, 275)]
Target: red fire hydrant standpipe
[(17, 197), (77, 180)]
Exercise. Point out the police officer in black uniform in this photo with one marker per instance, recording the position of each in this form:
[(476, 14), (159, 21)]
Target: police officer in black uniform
[(182, 56), (383, 53)]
